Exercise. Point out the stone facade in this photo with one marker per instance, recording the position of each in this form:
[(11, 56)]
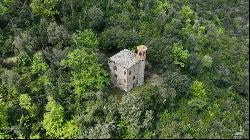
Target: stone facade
[(127, 68)]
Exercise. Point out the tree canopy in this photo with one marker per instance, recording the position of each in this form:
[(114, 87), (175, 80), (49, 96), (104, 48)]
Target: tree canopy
[(55, 81)]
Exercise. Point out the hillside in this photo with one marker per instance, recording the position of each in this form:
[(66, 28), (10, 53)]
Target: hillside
[(55, 80)]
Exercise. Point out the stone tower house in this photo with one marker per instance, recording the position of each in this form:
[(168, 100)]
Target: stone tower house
[(127, 68)]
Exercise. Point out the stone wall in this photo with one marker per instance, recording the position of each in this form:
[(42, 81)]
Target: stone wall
[(118, 75), (133, 77)]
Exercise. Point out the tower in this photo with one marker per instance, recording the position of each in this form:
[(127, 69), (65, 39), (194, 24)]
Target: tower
[(141, 55)]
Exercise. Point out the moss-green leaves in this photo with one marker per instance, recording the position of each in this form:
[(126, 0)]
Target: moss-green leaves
[(87, 74), (45, 8), (38, 65), (198, 89), (86, 39), (180, 55), (54, 122)]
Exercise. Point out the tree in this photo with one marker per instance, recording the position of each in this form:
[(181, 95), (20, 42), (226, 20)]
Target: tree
[(55, 124), (25, 101), (117, 37), (11, 84), (45, 8), (86, 73), (207, 61), (3, 119), (3, 116), (86, 39), (53, 119), (5, 6), (58, 36), (198, 89), (100, 131), (24, 42), (38, 66), (187, 29), (70, 129), (96, 17), (180, 55), (167, 127), (131, 109), (23, 59), (186, 12), (194, 66), (177, 81), (160, 54), (200, 95)]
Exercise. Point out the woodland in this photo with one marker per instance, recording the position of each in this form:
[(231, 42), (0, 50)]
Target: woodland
[(55, 80)]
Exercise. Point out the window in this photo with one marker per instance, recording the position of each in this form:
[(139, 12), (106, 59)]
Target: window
[(115, 75), (129, 72), (124, 80), (124, 72), (133, 77), (140, 53), (114, 68)]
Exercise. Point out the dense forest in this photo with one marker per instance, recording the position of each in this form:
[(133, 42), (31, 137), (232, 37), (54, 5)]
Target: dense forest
[(55, 80)]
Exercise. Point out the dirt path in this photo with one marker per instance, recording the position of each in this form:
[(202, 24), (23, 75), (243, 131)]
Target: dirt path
[(155, 79), (151, 76)]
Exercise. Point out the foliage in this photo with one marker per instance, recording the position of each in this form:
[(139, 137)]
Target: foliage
[(85, 39), (3, 115), (38, 65), (87, 74), (180, 55), (116, 37), (54, 72), (54, 122), (207, 61), (57, 35), (186, 12), (53, 119), (44, 8), (197, 89), (25, 101)]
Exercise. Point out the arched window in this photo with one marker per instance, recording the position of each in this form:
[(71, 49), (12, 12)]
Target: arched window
[(129, 72), (125, 72), (140, 53)]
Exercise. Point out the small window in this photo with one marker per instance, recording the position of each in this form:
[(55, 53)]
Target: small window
[(140, 53), (129, 72), (125, 72), (115, 75), (133, 77), (124, 80), (114, 68)]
